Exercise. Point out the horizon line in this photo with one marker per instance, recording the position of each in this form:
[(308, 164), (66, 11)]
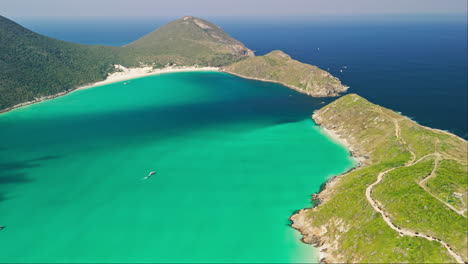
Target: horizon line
[(275, 16)]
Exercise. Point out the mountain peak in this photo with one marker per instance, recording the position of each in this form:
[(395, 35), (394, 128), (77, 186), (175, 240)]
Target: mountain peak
[(192, 37), (203, 24), (278, 54)]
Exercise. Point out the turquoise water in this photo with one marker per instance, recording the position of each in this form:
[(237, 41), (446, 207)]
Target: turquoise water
[(234, 158)]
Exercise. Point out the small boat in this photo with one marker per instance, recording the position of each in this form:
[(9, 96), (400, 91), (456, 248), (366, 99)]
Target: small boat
[(1, 227), (149, 175)]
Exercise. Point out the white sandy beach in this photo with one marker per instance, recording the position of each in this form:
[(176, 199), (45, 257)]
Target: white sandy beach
[(132, 73), (122, 75)]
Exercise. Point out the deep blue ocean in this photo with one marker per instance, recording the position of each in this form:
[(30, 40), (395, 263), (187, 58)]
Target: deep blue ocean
[(414, 66)]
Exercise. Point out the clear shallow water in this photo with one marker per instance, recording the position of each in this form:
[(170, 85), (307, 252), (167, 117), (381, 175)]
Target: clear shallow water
[(234, 158), (413, 64)]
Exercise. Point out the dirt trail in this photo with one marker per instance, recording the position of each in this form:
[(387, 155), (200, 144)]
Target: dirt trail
[(378, 207), (432, 175)]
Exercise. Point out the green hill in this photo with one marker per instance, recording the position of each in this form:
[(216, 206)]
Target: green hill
[(277, 66), (423, 190), (33, 66), (188, 40)]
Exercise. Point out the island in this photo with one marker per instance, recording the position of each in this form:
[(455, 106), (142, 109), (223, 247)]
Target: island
[(405, 202)]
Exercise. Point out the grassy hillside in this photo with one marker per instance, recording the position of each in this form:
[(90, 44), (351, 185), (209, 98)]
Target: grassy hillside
[(188, 40), (421, 169), (279, 67), (32, 65)]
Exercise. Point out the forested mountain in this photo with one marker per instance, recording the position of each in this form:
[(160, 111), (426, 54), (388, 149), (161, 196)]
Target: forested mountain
[(32, 65)]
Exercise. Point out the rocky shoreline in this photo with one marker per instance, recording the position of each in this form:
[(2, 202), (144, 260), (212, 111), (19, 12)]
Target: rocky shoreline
[(297, 89), (315, 235)]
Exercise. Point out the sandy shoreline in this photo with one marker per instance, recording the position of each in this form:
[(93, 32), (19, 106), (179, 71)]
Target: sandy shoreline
[(133, 73), (122, 75)]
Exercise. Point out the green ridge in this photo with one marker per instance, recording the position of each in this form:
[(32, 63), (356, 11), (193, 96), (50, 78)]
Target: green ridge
[(277, 66), (362, 235)]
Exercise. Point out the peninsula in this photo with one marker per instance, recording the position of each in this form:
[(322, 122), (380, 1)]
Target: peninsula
[(279, 67), (407, 202)]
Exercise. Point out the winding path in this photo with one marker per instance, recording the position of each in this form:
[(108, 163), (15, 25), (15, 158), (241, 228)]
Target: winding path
[(432, 175), (378, 207)]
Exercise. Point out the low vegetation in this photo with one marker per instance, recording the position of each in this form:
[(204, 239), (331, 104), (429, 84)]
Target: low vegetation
[(279, 67), (411, 207), (383, 139), (186, 41), (451, 184)]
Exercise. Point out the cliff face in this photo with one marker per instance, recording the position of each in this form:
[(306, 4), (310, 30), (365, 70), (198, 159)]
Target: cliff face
[(277, 66)]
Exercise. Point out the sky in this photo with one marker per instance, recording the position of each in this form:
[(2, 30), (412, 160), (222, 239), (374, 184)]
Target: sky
[(227, 8)]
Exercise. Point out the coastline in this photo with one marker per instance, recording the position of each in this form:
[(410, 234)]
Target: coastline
[(315, 235), (299, 220), (439, 130), (122, 75), (132, 73), (297, 89)]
